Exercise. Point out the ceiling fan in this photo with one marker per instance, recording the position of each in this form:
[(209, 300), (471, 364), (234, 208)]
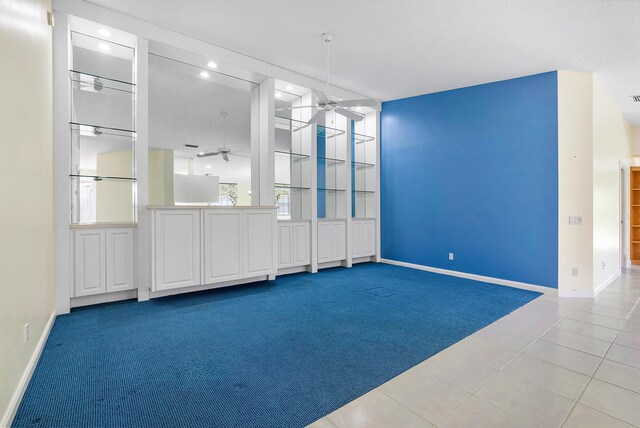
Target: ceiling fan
[(224, 151), (328, 103)]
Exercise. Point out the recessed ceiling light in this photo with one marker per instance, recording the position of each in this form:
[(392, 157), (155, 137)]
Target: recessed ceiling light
[(104, 32), (204, 74), (278, 95), (104, 47), (212, 64), (289, 88), (358, 108), (208, 166)]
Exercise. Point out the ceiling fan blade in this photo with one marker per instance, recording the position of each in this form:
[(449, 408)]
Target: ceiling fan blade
[(365, 102), (204, 155), (225, 157), (316, 117), (322, 97), (349, 114), (291, 108)]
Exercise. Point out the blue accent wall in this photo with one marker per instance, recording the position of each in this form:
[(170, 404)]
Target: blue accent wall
[(474, 172)]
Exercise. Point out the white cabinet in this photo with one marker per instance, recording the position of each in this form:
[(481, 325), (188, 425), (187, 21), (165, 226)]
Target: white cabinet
[(103, 260), (260, 242), (120, 257), (236, 243), (222, 246), (331, 241), (363, 238), (176, 249), (294, 244), (89, 262)]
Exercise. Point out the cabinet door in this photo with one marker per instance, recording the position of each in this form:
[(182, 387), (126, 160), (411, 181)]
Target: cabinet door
[(285, 244), (369, 238), (120, 259), (222, 246), (89, 262), (357, 230), (260, 243), (338, 241), (301, 247), (324, 242), (176, 249)]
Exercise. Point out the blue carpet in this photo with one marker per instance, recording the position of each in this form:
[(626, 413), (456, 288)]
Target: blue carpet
[(277, 354)]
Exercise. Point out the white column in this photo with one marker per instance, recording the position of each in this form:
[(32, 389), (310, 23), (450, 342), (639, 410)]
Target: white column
[(142, 169), (61, 161), (267, 142)]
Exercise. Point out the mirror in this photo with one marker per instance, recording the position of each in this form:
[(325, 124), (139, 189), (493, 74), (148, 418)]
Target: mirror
[(200, 125)]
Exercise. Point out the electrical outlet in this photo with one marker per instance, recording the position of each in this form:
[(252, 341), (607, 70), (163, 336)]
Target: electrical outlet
[(603, 265), (574, 271), (26, 332), (450, 256)]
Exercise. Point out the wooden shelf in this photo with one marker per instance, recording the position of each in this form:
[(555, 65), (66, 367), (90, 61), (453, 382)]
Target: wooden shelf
[(634, 221)]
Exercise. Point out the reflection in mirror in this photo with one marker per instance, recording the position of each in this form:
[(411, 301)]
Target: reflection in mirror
[(102, 129), (292, 157), (200, 124)]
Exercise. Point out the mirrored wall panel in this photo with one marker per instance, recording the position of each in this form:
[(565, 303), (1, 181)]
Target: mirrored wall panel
[(363, 167), (331, 140), (200, 125), (102, 129)]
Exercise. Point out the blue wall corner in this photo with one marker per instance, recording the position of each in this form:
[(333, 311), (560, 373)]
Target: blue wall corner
[(474, 171)]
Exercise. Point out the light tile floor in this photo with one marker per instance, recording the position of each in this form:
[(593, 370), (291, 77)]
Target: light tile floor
[(553, 362)]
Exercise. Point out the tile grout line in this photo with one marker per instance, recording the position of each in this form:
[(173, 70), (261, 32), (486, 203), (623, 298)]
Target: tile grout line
[(596, 370), (473, 394)]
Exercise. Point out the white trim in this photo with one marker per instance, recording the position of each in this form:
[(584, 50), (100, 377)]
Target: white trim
[(491, 280), (175, 291), (590, 294), (97, 299), (12, 408), (607, 283), (293, 269), (364, 259)]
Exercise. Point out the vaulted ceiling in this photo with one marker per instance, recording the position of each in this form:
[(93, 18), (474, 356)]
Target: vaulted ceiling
[(390, 49)]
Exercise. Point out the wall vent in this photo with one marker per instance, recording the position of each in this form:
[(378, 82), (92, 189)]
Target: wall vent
[(635, 98), (192, 146)]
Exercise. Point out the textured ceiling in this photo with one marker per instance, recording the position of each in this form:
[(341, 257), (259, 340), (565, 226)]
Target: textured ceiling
[(397, 48)]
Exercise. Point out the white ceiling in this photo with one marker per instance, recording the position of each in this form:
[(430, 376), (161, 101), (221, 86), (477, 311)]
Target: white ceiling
[(389, 49)]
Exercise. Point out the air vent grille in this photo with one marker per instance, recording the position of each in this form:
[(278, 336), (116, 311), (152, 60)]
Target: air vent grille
[(192, 146), (635, 98)]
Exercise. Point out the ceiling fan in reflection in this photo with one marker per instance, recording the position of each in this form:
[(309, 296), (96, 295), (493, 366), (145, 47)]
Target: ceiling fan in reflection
[(327, 103), (224, 151)]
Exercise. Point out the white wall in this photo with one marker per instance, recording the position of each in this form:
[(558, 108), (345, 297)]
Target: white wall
[(575, 182), (612, 137), (593, 139), (26, 185), (635, 143)]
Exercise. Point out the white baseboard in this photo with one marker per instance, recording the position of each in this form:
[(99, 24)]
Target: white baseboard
[(290, 270), (175, 291), (97, 299), (589, 294), (10, 412), (491, 280)]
